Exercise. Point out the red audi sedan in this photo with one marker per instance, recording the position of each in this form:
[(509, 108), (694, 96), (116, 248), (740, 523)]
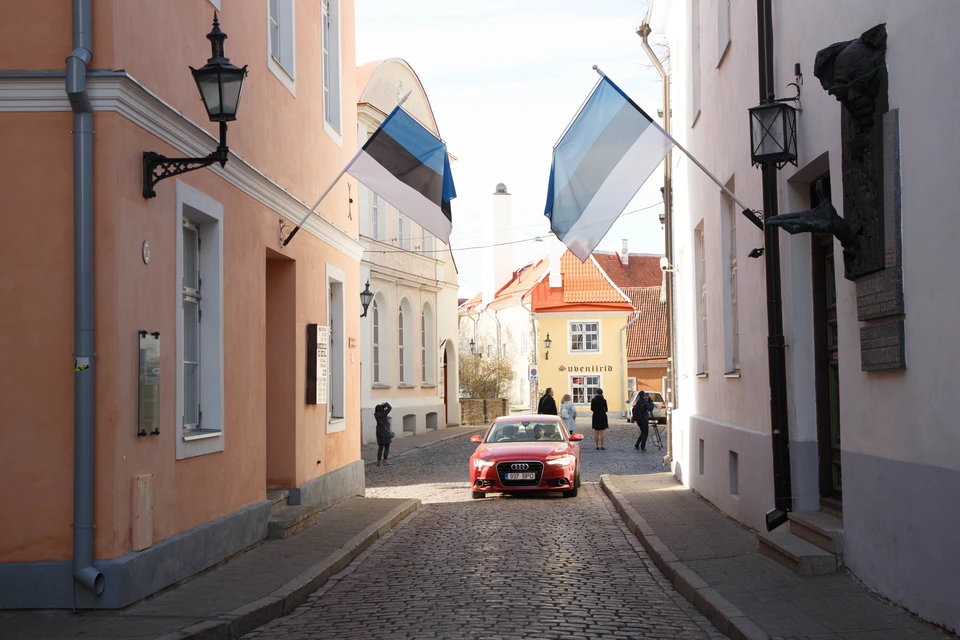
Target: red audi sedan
[(526, 453)]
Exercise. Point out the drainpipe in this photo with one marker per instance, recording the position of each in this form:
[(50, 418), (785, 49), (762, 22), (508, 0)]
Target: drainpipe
[(623, 369), (671, 392), (83, 442)]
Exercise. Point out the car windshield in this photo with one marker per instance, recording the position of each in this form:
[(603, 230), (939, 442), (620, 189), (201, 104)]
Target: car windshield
[(526, 431)]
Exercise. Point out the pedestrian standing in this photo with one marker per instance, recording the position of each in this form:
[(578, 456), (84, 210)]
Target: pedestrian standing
[(641, 415), (547, 406), (568, 413), (599, 407), (384, 432)]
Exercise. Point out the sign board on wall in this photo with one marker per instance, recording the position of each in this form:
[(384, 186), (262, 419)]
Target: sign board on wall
[(318, 351), (533, 371)]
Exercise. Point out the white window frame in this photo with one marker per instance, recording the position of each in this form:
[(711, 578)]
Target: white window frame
[(403, 241), (207, 215), (336, 356), (731, 325), (570, 333), (426, 243), (404, 344), (428, 348), (375, 340), (585, 386), (285, 20), (723, 29), (701, 304), (331, 69), (376, 216), (695, 63)]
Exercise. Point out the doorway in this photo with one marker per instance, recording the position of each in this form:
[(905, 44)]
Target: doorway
[(826, 360), (280, 371)]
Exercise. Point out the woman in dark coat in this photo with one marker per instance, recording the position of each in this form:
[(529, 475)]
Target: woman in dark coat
[(599, 407), (384, 434)]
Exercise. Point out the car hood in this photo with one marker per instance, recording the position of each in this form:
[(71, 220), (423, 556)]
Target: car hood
[(534, 450)]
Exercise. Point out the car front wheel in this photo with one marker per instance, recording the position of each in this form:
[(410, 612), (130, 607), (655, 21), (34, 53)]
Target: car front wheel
[(572, 493)]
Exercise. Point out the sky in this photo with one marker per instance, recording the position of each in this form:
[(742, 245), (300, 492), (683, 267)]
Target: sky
[(504, 79)]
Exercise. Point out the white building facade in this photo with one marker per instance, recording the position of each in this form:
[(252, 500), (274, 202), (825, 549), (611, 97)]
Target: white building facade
[(879, 446), (408, 349)]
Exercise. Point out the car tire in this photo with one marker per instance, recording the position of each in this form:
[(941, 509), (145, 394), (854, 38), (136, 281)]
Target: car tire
[(476, 495), (572, 493)]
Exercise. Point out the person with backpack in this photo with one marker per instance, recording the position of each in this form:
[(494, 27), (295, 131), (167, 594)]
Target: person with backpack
[(568, 413), (547, 406), (641, 415), (384, 433)]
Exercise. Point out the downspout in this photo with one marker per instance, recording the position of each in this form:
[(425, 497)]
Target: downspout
[(623, 369), (83, 439), (671, 392)]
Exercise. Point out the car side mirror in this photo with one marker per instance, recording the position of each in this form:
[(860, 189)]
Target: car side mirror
[(576, 437), (476, 438)]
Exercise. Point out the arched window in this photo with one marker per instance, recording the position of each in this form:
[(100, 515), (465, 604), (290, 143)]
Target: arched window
[(376, 342), (400, 359), (423, 346), (428, 369)]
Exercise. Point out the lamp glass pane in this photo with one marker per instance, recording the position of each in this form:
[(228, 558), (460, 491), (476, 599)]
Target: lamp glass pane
[(209, 86), (767, 131), (232, 85)]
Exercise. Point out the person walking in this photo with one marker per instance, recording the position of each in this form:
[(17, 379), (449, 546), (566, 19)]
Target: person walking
[(547, 406), (568, 413), (599, 407), (384, 433), (641, 415)]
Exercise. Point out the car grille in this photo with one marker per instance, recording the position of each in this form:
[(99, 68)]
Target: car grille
[(503, 469)]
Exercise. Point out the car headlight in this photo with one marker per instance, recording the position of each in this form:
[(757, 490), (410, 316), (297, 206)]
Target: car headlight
[(480, 463), (562, 461)]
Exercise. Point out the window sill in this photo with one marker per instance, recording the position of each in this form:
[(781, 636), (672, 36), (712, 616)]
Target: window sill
[(335, 425), (732, 374), (380, 385), (282, 75), (426, 385), (404, 385), (702, 375), (201, 434)]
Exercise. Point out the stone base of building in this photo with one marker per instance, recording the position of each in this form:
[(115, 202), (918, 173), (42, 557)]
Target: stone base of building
[(329, 489)]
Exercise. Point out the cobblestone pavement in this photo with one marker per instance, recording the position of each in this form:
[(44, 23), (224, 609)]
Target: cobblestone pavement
[(502, 567)]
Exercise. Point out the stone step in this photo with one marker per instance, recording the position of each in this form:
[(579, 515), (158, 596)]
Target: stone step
[(290, 520), (820, 528), (795, 553), (278, 497)]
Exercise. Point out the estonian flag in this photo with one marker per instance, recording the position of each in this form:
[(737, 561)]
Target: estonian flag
[(602, 160), (408, 166)]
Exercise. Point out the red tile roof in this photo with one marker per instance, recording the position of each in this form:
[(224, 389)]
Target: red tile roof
[(641, 270), (647, 337), (585, 282), (519, 287)]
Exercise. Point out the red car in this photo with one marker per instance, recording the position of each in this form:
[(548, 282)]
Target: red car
[(526, 453)]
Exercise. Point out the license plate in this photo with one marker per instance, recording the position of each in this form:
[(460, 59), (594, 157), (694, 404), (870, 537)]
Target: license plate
[(521, 476)]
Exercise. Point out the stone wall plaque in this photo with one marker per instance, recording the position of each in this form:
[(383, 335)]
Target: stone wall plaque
[(880, 294), (318, 349), (148, 389), (882, 346)]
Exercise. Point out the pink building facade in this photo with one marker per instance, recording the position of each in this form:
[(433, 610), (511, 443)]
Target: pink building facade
[(232, 416)]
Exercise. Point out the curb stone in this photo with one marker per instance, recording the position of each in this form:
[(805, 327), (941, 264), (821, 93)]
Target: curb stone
[(428, 444), (242, 620), (724, 615)]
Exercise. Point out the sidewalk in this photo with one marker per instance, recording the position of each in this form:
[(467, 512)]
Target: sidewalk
[(715, 563), (405, 444), (264, 582)]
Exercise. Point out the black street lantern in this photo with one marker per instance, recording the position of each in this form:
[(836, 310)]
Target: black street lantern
[(220, 84), (473, 347), (366, 297), (547, 341), (773, 133)]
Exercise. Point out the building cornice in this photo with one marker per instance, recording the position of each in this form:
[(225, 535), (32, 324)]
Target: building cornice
[(119, 92)]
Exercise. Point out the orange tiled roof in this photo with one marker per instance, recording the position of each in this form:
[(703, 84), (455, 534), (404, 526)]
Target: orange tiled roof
[(585, 282), (647, 337), (519, 286), (641, 270)]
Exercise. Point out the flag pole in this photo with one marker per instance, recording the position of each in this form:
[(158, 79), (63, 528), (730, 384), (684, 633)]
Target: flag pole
[(747, 211), (332, 184)]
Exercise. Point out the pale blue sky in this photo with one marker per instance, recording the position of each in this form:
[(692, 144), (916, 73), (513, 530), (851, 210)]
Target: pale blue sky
[(504, 79)]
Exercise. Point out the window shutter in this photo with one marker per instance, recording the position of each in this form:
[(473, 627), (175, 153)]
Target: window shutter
[(287, 52), (333, 50)]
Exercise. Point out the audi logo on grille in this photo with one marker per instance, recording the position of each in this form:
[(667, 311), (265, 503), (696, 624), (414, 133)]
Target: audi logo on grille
[(519, 467)]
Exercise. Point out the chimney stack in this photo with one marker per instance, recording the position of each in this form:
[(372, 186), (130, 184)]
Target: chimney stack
[(537, 251), (557, 249), (624, 257), (499, 259)]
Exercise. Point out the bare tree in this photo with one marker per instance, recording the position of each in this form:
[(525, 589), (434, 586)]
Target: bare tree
[(484, 376)]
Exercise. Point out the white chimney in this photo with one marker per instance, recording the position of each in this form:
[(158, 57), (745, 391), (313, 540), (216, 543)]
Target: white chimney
[(537, 250), (499, 254), (557, 249), (624, 258)]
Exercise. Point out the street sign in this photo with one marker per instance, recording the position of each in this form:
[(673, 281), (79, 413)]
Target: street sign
[(533, 372)]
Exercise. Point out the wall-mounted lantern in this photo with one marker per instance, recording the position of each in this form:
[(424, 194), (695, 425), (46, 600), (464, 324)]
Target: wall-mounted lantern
[(366, 297), (773, 133), (547, 342)]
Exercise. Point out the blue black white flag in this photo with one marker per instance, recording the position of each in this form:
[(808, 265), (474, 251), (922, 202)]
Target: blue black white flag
[(406, 165), (602, 160)]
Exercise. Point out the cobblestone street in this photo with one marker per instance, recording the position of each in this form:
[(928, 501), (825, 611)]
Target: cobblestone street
[(502, 567)]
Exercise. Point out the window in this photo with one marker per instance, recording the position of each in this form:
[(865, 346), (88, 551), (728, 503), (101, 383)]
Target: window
[(423, 346), (403, 240), (336, 398), (199, 325), (400, 359), (281, 42), (731, 316), (376, 229), (489, 350), (695, 62), (585, 337), (330, 42), (426, 244), (376, 341), (723, 29), (428, 349), (584, 388), (701, 301)]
